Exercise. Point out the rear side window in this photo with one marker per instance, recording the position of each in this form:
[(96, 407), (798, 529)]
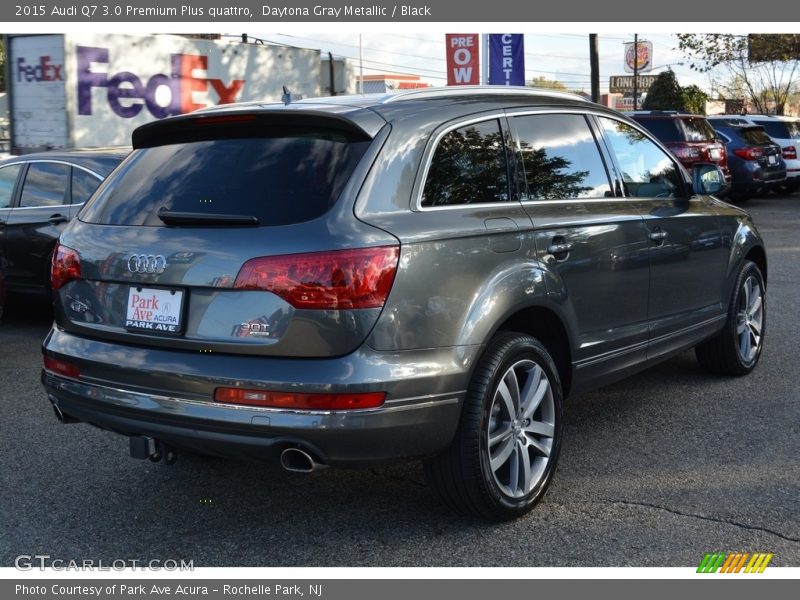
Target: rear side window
[(667, 130), (698, 130), (780, 129), (560, 158), (469, 166), (280, 179), (45, 185), (755, 135)]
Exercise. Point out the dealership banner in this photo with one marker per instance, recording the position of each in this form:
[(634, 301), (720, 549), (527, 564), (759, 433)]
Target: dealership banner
[(463, 58), (506, 59)]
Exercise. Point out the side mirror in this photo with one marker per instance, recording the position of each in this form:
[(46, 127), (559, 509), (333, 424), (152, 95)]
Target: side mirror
[(707, 178)]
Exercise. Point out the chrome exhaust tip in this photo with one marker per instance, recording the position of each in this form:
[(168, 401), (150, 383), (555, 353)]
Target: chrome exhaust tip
[(296, 460)]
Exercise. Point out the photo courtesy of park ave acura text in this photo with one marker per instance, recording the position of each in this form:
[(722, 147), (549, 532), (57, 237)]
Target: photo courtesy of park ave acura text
[(382, 293)]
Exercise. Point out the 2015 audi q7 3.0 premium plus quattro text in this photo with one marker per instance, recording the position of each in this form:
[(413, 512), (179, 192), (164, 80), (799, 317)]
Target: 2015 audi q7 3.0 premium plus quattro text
[(349, 280)]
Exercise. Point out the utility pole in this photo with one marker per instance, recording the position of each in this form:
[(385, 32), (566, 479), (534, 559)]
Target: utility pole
[(594, 61), (635, 69)]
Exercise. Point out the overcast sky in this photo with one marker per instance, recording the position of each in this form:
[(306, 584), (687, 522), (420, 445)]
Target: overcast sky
[(562, 56)]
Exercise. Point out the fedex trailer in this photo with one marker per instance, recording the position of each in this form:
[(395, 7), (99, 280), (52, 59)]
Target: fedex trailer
[(92, 90)]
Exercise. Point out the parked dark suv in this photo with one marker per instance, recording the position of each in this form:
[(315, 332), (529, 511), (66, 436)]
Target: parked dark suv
[(689, 137), (349, 280)]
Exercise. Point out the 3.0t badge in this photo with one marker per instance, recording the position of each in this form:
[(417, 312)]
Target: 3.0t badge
[(147, 263)]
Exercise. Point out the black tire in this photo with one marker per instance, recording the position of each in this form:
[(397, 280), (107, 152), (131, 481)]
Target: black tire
[(462, 475), (724, 353)]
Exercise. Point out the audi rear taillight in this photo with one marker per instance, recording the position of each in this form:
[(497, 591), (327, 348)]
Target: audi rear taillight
[(749, 153), (684, 151), (264, 398), (790, 153), (65, 267), (335, 280)]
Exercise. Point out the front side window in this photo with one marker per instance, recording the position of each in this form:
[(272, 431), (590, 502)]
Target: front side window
[(45, 184), (647, 171), (560, 158), (468, 167), (8, 179), (83, 185)]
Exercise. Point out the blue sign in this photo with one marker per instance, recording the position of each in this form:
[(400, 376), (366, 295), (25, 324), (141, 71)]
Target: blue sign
[(506, 59)]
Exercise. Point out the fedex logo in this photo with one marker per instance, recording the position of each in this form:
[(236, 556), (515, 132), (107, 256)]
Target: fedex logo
[(127, 93), (43, 70)]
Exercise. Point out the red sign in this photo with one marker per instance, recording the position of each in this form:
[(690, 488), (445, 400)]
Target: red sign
[(463, 63)]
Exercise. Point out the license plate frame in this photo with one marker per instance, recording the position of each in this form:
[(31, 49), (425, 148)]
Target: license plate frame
[(155, 310)]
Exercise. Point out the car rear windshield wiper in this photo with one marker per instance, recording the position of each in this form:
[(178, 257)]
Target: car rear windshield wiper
[(170, 217)]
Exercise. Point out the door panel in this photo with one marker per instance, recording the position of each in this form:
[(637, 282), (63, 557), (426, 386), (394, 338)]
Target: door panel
[(594, 244), (35, 224), (686, 263), (685, 246)]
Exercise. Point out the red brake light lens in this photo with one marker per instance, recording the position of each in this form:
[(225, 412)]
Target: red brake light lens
[(60, 367), (66, 266), (299, 401), (336, 280), (749, 153), (684, 151), (790, 153)]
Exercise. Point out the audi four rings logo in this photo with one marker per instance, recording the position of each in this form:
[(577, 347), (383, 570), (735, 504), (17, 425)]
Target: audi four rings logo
[(147, 263)]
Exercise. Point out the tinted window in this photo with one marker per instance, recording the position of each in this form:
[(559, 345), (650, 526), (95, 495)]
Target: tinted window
[(647, 171), (45, 184), (780, 129), (281, 179), (560, 158), (83, 185), (667, 130), (698, 130), (754, 135), (8, 178), (468, 167)]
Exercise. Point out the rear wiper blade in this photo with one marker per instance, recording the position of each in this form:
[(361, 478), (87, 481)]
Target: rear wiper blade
[(171, 217)]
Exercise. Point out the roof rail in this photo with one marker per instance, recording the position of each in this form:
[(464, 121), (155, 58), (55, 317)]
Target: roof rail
[(488, 90)]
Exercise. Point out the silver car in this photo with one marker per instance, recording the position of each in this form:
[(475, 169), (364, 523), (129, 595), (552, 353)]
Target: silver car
[(344, 281)]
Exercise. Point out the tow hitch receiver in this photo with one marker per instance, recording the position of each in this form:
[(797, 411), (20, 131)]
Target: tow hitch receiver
[(143, 447)]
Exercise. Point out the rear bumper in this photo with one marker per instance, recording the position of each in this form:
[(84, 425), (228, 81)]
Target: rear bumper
[(419, 418)]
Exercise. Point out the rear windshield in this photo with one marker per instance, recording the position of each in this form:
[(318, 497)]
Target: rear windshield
[(698, 130), (279, 179), (754, 135), (666, 130), (780, 129)]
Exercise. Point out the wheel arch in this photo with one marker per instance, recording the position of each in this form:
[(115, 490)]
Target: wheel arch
[(548, 327)]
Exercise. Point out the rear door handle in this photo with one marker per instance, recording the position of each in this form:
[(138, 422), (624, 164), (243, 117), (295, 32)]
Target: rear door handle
[(57, 219), (658, 236), (560, 248)]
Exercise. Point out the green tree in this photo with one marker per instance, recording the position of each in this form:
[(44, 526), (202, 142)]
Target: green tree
[(665, 93), (765, 66), (548, 84), (694, 99)]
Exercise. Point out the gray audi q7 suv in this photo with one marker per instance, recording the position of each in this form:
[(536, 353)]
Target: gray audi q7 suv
[(349, 280)]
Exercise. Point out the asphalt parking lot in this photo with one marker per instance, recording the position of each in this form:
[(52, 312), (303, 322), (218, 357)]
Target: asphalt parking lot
[(655, 471)]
